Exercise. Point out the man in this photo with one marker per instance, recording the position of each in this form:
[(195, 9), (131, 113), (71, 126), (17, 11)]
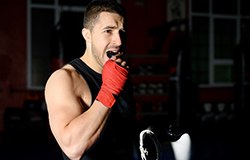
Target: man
[(89, 101)]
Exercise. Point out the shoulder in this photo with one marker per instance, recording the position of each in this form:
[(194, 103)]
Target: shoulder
[(61, 76), (64, 80)]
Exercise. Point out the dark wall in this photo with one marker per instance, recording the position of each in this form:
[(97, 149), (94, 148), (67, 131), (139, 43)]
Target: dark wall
[(12, 54), (142, 16)]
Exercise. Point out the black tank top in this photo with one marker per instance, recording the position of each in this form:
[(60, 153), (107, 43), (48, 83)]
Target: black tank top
[(117, 138)]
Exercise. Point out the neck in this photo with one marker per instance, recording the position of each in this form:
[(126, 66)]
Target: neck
[(90, 60)]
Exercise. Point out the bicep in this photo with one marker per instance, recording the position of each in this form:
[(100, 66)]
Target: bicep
[(62, 104)]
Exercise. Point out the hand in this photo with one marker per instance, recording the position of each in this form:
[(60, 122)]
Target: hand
[(114, 76), (118, 56)]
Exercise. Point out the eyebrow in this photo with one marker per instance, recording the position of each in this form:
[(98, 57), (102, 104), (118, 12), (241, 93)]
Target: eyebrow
[(109, 27), (113, 27)]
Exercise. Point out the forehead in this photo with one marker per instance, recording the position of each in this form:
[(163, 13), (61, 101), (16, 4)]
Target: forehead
[(110, 19)]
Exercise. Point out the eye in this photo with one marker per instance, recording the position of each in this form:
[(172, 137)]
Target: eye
[(122, 31), (108, 31)]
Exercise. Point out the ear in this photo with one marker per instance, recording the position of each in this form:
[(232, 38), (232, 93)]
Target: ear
[(86, 34)]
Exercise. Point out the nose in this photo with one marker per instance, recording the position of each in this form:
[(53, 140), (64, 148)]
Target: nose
[(119, 38)]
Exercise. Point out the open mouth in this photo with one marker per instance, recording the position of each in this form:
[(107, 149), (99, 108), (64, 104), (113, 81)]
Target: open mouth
[(111, 53)]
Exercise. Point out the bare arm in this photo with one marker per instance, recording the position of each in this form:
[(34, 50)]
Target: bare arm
[(74, 129)]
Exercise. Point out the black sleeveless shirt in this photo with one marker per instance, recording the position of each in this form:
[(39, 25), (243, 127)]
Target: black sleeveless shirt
[(117, 138)]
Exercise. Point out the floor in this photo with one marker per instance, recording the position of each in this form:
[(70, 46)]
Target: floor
[(219, 144), (208, 143)]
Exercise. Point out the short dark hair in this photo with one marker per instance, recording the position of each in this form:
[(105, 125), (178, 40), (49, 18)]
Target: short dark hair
[(95, 7)]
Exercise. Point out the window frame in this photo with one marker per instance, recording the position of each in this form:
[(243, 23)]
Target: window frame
[(212, 61), (57, 9)]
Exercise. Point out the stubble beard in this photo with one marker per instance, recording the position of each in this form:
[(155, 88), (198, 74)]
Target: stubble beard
[(97, 57)]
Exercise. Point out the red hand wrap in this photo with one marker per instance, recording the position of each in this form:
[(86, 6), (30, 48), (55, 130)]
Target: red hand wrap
[(114, 77)]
